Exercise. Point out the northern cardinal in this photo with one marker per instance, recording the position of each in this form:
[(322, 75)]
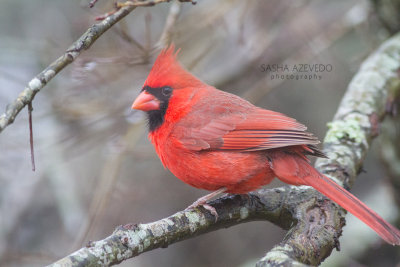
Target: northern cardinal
[(217, 141)]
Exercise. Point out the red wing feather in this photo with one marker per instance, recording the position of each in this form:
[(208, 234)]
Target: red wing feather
[(259, 130)]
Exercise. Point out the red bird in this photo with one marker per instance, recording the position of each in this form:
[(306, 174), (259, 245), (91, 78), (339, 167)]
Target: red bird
[(220, 142)]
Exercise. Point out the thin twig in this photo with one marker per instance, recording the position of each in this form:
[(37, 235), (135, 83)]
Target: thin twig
[(30, 109), (83, 43), (92, 3), (148, 3)]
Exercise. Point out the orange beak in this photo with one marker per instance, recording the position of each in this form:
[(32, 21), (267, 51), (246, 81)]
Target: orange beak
[(146, 102)]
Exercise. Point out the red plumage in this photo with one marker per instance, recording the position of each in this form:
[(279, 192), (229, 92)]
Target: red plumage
[(214, 140)]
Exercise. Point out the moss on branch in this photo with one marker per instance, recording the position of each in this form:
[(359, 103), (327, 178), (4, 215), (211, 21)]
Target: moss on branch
[(346, 143)]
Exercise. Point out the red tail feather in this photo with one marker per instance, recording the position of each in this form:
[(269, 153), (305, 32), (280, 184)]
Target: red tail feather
[(353, 205), (303, 173)]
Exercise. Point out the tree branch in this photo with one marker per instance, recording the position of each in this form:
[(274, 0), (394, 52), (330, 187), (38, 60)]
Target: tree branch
[(346, 143), (128, 241), (387, 12), (83, 43)]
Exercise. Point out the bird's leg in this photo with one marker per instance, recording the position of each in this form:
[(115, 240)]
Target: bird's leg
[(203, 202)]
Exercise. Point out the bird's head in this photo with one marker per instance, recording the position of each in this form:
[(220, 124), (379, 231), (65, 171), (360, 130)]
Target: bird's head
[(167, 82)]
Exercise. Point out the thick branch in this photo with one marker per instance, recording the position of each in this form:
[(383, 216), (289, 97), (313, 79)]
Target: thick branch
[(128, 241), (346, 143)]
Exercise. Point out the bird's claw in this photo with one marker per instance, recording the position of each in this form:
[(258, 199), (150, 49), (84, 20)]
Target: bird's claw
[(203, 202), (212, 210)]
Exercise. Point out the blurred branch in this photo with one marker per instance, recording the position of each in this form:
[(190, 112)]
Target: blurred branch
[(307, 51), (390, 148), (166, 35), (315, 223), (136, 3), (92, 3), (123, 32), (388, 13), (83, 43), (346, 143), (106, 184)]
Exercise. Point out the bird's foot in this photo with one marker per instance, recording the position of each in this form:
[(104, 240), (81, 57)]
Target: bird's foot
[(203, 202)]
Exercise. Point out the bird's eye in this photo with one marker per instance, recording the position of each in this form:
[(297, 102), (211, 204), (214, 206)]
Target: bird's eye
[(166, 91)]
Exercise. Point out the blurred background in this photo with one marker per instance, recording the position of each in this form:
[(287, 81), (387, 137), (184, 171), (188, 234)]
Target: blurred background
[(95, 168)]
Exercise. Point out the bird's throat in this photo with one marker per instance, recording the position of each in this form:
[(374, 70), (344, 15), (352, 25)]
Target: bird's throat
[(155, 118)]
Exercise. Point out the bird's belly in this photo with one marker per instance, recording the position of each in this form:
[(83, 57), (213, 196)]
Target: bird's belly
[(239, 172)]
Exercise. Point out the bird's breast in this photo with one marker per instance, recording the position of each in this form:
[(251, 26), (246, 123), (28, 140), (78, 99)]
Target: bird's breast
[(210, 170)]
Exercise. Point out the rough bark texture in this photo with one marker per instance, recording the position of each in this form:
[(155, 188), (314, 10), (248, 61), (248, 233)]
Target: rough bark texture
[(131, 240), (346, 143)]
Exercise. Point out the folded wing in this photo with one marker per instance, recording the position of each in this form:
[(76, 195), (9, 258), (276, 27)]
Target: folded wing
[(259, 129)]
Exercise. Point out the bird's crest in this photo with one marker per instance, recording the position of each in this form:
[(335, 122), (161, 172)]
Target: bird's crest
[(167, 71)]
